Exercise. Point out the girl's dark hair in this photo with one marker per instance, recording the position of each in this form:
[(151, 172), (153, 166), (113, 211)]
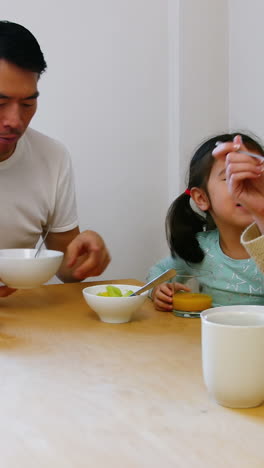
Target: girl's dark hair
[(19, 46), (182, 223)]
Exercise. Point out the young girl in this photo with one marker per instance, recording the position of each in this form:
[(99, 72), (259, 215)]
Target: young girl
[(203, 228), (246, 185)]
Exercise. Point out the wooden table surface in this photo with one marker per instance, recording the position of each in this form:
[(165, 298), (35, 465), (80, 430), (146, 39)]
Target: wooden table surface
[(76, 392)]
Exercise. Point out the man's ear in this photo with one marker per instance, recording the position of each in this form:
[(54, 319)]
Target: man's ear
[(200, 198)]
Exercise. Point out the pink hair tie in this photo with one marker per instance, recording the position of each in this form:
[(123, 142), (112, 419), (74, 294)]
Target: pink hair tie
[(188, 192)]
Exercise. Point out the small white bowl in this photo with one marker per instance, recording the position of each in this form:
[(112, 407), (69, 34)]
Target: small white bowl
[(114, 309), (20, 269)]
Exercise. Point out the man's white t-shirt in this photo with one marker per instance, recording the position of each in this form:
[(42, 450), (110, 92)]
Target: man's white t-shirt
[(36, 190)]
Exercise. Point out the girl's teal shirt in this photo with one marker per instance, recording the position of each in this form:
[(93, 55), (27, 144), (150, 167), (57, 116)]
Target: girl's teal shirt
[(227, 280)]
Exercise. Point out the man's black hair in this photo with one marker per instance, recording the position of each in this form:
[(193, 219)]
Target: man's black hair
[(19, 47)]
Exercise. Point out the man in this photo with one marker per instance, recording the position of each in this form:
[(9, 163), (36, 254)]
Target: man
[(36, 181)]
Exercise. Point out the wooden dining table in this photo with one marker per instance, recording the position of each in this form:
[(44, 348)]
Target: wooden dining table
[(76, 392)]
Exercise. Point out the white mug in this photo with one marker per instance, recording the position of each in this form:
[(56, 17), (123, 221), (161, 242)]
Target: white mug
[(233, 354)]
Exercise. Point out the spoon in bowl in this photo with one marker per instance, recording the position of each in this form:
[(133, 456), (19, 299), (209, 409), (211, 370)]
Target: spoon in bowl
[(43, 240), (168, 274)]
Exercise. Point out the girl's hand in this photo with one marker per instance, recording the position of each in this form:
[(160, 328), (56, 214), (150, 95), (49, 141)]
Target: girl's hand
[(163, 293), (245, 177)]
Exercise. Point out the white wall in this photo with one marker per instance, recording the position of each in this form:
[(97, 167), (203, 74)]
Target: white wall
[(247, 66), (174, 93), (203, 66), (105, 95)]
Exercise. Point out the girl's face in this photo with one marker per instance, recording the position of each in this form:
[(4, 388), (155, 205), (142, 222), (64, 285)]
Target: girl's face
[(224, 210)]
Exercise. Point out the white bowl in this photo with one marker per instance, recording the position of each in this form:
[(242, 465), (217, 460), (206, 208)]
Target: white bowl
[(20, 269), (114, 309)]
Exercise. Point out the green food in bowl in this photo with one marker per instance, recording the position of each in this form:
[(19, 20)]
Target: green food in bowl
[(113, 291)]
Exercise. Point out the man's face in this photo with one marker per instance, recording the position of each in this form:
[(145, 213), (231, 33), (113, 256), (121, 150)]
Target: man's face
[(18, 104)]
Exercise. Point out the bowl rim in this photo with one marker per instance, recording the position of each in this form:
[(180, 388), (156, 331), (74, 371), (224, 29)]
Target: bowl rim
[(4, 254), (126, 286)]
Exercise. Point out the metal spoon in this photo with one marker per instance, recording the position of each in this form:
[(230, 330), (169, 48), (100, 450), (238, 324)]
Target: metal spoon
[(168, 274), (257, 156), (43, 240)]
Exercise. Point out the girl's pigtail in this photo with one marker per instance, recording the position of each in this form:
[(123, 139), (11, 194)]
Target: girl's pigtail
[(182, 225)]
